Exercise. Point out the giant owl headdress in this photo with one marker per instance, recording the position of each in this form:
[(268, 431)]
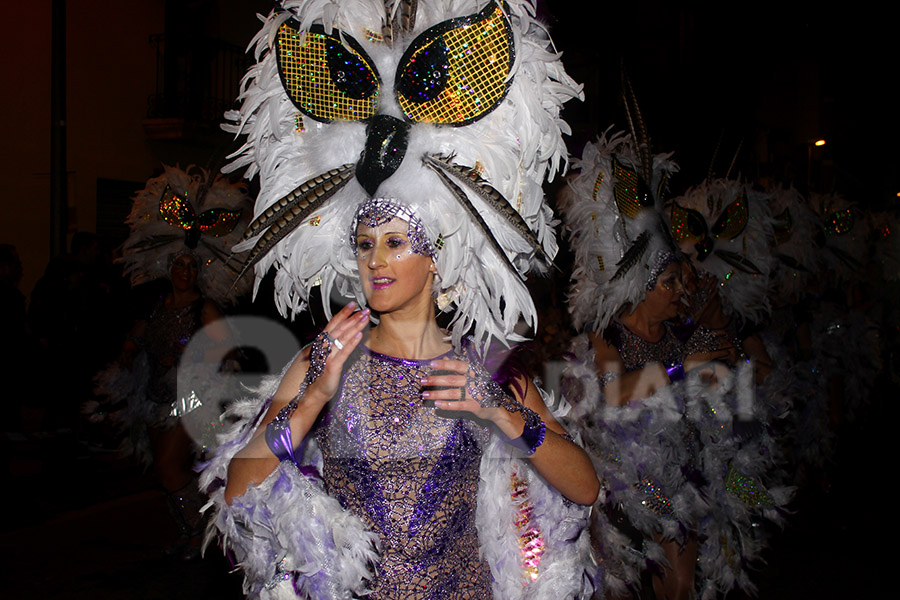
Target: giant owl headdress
[(448, 108), (191, 210), (612, 211), (726, 228)]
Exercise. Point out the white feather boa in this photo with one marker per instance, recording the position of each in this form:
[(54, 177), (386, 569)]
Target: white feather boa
[(291, 539), (683, 441)]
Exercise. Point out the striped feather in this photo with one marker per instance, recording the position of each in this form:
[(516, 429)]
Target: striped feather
[(291, 217), (473, 180), (632, 256), (309, 193), (476, 217)]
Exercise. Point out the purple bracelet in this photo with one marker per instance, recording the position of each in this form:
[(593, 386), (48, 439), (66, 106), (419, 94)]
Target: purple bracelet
[(675, 372), (278, 431), (533, 434)]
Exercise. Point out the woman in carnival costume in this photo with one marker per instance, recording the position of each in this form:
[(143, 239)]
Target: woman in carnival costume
[(794, 284), (183, 224), (655, 398), (725, 228), (626, 379), (401, 150)]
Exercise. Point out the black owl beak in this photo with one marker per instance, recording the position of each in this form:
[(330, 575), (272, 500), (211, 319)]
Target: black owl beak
[(191, 237), (704, 248), (386, 141)]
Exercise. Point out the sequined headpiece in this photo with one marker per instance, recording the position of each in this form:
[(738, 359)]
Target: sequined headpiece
[(663, 260), (170, 261), (798, 256), (450, 108), (378, 211), (188, 212), (613, 220)]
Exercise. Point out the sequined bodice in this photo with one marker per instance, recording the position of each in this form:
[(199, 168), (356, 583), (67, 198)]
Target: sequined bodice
[(411, 475), (636, 352), (168, 332)]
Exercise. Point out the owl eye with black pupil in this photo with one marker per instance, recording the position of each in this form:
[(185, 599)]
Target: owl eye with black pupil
[(457, 71), (327, 76), (425, 76), (349, 73), (696, 225)]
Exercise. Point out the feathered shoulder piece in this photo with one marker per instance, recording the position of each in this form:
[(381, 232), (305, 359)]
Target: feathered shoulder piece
[(726, 229), (796, 226), (843, 236), (612, 218), (188, 210), (450, 109)]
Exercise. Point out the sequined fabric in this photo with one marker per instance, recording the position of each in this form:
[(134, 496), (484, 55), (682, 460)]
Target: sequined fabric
[(636, 352), (411, 475), (168, 332)]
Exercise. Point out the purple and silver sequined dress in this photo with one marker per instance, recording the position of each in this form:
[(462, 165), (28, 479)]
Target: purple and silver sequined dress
[(412, 476)]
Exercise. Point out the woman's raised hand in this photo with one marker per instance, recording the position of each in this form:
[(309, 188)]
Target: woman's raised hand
[(461, 387), (331, 349)]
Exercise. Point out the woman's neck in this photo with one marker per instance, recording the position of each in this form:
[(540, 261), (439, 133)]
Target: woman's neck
[(641, 325), (181, 298), (409, 334)]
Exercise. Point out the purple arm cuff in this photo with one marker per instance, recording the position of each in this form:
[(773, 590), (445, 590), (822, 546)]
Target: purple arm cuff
[(675, 372)]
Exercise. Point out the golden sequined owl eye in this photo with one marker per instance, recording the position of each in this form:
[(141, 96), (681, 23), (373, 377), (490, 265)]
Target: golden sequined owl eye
[(178, 212), (175, 210), (687, 223), (328, 77), (457, 71), (839, 222), (631, 193), (732, 222)]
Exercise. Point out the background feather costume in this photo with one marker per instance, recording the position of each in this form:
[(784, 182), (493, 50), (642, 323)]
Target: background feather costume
[(679, 463), (449, 110), (181, 211)]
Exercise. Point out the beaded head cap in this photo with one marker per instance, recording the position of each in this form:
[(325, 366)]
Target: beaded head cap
[(613, 221), (449, 108), (378, 211), (188, 211), (726, 229)]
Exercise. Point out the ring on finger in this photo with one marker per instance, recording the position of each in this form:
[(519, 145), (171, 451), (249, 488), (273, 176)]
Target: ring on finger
[(337, 343)]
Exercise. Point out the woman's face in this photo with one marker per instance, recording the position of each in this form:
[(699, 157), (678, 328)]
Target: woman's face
[(393, 277), (663, 302), (183, 273)]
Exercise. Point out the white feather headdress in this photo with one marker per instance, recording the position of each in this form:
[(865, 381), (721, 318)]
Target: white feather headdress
[(614, 225), (450, 108), (798, 257), (843, 240), (188, 210), (726, 229)]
